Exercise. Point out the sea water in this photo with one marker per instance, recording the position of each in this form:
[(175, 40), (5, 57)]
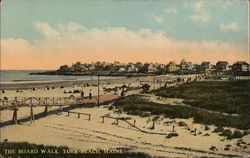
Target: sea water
[(23, 76)]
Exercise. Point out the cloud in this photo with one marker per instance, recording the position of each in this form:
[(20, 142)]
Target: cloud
[(71, 27), (75, 42), (229, 27), (171, 10), (201, 14), (226, 4), (157, 18), (47, 31)]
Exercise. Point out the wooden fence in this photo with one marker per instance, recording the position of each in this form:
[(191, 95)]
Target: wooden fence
[(131, 124), (79, 114)]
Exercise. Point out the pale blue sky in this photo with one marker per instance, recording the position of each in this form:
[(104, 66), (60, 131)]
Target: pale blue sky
[(18, 17), (39, 31)]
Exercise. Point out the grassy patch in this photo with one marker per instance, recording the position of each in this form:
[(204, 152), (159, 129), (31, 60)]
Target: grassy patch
[(225, 96), (34, 151), (230, 97), (137, 105)]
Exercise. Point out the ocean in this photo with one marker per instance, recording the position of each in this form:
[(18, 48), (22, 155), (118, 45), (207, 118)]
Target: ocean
[(23, 76)]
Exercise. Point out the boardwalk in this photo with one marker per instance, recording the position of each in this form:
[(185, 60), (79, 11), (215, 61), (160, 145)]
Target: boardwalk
[(16, 102), (67, 102)]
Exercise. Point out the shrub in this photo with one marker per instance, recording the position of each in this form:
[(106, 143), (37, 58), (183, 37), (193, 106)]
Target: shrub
[(218, 129), (155, 118), (226, 148), (170, 135), (227, 133), (110, 107), (181, 123), (237, 134), (246, 132), (213, 148), (206, 128)]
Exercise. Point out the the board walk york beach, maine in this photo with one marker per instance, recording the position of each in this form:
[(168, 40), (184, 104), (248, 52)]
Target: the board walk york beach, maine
[(124, 78)]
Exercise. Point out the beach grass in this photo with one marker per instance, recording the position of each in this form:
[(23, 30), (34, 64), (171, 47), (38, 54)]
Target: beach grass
[(230, 97), (137, 105), (28, 150)]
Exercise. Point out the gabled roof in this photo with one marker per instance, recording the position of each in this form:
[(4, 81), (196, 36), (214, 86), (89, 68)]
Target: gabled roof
[(221, 62), (171, 63), (205, 63), (241, 63)]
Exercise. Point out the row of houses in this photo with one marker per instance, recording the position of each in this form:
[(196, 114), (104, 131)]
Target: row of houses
[(155, 67), (207, 66)]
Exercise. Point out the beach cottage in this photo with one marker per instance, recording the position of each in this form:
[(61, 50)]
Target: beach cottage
[(205, 66), (222, 66), (172, 67), (240, 66)]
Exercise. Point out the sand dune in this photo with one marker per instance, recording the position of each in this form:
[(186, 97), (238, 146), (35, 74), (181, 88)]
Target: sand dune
[(83, 134)]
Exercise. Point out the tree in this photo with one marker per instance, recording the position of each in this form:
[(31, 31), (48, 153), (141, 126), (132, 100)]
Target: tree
[(76, 66), (64, 68)]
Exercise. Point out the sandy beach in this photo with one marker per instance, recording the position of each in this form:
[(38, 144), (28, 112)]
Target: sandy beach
[(83, 134)]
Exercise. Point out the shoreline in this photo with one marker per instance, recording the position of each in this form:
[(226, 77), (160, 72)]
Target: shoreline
[(39, 84), (93, 73), (118, 80)]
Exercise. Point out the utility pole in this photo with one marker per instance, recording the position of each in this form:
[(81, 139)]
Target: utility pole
[(98, 82), (154, 82), (154, 78), (248, 30)]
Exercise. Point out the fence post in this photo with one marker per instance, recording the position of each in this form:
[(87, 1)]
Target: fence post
[(134, 122), (60, 110), (45, 111), (102, 119), (117, 121), (32, 118), (78, 115), (68, 113), (15, 110), (14, 118), (89, 117)]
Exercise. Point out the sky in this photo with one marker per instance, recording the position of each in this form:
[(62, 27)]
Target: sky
[(44, 34)]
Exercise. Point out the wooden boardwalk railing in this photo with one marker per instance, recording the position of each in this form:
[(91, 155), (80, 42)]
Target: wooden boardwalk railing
[(6, 103), (17, 102)]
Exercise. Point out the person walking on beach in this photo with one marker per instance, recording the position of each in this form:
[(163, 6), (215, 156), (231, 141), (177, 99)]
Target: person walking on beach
[(82, 93), (90, 94)]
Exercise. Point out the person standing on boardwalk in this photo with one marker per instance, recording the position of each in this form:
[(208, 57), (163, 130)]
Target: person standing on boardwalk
[(116, 89), (90, 94), (122, 93)]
